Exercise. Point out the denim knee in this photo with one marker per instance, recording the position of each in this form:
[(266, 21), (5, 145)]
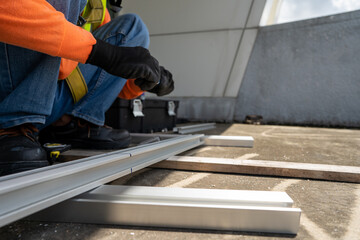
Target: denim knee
[(133, 27), (135, 19)]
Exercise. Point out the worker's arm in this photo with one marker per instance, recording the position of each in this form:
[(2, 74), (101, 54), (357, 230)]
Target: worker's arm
[(166, 84), (36, 25), (130, 90), (126, 62), (67, 65)]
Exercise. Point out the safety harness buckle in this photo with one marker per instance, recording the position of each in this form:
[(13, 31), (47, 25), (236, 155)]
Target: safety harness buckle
[(81, 21)]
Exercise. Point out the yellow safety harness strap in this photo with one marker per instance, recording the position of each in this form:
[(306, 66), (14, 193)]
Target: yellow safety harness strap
[(94, 14), (77, 84)]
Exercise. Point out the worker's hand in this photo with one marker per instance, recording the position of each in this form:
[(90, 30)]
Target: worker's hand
[(126, 62), (166, 84)]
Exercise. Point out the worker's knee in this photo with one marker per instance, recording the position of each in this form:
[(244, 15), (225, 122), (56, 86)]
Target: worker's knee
[(133, 17), (125, 30), (133, 20), (138, 28)]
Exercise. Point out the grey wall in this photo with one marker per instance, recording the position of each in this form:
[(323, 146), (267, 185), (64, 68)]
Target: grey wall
[(305, 72), (219, 109)]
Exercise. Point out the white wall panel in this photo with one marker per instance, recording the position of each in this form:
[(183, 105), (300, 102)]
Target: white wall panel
[(256, 13), (241, 62), (200, 62), (202, 43), (174, 16)]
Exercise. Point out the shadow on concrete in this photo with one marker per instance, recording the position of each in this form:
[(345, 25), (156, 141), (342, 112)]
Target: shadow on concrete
[(198, 231)]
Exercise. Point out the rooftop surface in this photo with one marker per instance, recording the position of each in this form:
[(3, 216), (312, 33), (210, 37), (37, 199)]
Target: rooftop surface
[(330, 210)]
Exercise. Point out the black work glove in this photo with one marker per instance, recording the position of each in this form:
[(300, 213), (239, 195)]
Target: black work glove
[(166, 84), (126, 62)]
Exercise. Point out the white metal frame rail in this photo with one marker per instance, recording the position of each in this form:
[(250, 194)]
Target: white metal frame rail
[(231, 210), (194, 128), (209, 140), (143, 138), (25, 193), (229, 141)]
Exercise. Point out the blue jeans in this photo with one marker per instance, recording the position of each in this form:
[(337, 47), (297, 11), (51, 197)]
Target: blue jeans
[(31, 93)]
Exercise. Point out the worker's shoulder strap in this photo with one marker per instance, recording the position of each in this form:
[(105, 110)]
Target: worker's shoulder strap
[(94, 14)]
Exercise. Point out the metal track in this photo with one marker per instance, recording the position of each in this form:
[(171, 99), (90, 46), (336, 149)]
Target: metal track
[(232, 210), (229, 141), (194, 128), (25, 193)]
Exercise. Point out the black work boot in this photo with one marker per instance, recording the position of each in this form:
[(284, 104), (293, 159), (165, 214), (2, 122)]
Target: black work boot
[(82, 134), (20, 150)]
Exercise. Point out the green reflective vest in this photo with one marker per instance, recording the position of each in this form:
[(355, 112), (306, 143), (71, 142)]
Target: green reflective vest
[(94, 14)]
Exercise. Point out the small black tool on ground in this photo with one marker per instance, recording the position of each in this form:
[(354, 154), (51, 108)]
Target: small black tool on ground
[(54, 149), (253, 119)]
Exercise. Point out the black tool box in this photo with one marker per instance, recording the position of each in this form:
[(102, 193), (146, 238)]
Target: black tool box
[(120, 116), (142, 116)]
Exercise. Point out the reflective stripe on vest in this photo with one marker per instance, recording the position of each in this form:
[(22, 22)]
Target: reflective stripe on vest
[(94, 14)]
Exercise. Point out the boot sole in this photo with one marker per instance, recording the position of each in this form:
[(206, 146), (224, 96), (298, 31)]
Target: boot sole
[(27, 159), (7, 168)]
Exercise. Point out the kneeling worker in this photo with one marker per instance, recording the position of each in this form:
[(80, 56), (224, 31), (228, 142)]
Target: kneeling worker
[(59, 74)]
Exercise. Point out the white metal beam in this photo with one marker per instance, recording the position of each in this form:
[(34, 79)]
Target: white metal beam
[(28, 192), (194, 128), (229, 141), (233, 210), (141, 138)]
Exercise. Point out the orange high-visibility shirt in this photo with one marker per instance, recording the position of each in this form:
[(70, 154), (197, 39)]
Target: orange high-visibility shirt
[(36, 25)]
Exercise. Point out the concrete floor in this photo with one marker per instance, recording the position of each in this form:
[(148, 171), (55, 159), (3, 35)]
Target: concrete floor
[(330, 210)]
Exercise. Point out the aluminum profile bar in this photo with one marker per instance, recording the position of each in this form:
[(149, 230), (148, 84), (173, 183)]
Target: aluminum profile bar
[(28, 192), (141, 138), (194, 128), (230, 210), (191, 196), (136, 139), (229, 141)]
